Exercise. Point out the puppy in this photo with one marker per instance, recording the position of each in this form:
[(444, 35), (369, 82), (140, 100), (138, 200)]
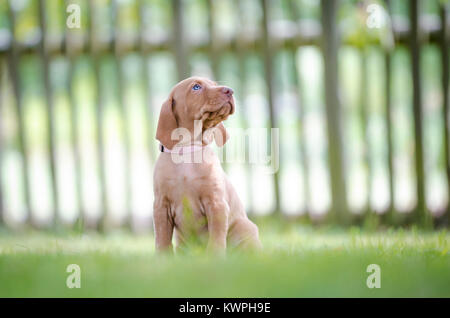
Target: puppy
[(193, 196)]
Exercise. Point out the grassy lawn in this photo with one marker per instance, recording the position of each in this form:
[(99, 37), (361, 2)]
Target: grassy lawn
[(298, 261)]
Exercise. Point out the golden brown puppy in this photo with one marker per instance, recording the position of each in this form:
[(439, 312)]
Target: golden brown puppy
[(195, 197)]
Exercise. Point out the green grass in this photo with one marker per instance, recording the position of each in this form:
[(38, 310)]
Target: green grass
[(297, 261)]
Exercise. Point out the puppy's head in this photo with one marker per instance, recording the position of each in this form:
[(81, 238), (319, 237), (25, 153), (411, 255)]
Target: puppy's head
[(192, 99)]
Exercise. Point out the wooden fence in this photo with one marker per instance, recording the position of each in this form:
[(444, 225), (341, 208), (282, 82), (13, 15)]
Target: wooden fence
[(324, 33)]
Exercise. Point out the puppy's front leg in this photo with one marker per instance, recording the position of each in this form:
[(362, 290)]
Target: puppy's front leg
[(163, 227), (217, 216)]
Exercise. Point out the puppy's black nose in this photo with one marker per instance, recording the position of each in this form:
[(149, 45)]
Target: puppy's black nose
[(227, 91)]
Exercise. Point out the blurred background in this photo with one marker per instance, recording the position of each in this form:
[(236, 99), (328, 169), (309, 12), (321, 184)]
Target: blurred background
[(358, 89)]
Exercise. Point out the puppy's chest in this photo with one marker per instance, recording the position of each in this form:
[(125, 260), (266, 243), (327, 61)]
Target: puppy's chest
[(187, 209), (190, 191), (187, 182), (193, 178)]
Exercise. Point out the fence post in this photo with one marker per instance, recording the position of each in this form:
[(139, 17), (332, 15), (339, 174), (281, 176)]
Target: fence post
[(268, 72), (146, 80), (364, 119), (13, 63), (74, 131), (178, 40), (445, 94), (421, 215), (1, 144), (333, 112), (363, 114), (301, 114), (243, 77), (74, 128), (50, 111), (122, 110), (388, 120), (99, 106)]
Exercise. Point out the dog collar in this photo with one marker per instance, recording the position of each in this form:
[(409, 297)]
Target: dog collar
[(181, 150)]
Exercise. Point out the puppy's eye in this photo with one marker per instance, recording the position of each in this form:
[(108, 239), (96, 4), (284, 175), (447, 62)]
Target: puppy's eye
[(196, 87)]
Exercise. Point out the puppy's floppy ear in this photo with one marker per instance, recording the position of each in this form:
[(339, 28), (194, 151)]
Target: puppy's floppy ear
[(221, 135), (167, 123)]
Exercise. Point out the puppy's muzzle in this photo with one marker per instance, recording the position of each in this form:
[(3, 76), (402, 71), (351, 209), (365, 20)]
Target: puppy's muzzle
[(227, 93)]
